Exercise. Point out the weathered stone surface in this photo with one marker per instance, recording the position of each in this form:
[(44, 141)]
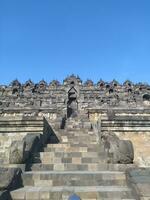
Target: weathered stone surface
[(139, 179), (14, 130), (141, 145), (126, 151), (10, 178), (119, 151), (16, 152), (21, 151), (4, 195), (102, 94), (32, 144)]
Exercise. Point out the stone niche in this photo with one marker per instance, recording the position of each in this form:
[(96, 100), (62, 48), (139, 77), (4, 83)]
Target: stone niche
[(72, 104)]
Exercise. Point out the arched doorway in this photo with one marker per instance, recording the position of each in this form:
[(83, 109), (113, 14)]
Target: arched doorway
[(72, 104)]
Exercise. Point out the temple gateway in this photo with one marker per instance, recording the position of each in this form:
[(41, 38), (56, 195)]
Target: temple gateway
[(75, 140)]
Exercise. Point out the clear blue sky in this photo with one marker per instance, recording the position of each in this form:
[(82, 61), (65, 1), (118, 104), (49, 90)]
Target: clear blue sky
[(95, 39)]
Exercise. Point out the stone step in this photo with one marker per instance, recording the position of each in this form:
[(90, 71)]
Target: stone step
[(85, 137), (78, 125), (70, 154), (79, 130), (78, 141), (70, 157), (68, 129), (76, 144), (74, 160), (79, 147), (78, 122), (61, 145), (79, 135), (69, 149), (58, 145), (63, 193), (73, 178), (103, 166)]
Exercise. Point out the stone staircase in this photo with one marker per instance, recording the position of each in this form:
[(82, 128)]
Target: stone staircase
[(77, 165)]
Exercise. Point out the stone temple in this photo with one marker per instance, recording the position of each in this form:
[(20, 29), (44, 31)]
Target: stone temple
[(74, 141)]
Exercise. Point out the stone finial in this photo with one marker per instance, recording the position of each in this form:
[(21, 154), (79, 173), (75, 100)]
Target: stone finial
[(42, 83), (72, 80), (88, 83), (28, 83), (101, 83), (15, 83), (54, 83), (128, 83), (114, 83)]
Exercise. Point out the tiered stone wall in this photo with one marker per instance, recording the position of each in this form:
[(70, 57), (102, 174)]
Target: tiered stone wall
[(89, 95)]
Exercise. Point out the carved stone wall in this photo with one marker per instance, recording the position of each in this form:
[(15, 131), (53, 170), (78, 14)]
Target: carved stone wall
[(90, 95)]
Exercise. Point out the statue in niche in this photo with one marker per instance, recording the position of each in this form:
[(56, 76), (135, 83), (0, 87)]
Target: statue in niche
[(72, 105)]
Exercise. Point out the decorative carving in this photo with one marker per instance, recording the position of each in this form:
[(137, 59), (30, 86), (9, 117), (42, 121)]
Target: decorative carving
[(89, 83), (15, 83), (114, 83), (42, 84), (103, 94), (128, 83), (72, 104), (101, 83), (72, 80), (55, 83)]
